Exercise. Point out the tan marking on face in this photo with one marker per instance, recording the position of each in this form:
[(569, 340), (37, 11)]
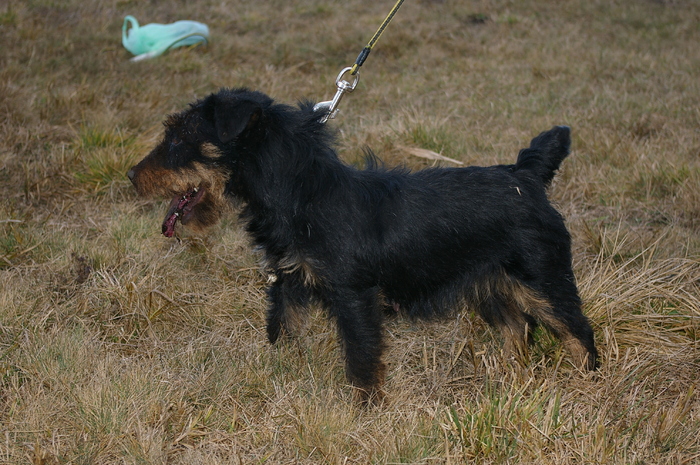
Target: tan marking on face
[(210, 150), (152, 180)]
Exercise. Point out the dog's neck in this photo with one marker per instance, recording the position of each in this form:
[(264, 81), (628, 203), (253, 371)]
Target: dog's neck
[(280, 169), (283, 180)]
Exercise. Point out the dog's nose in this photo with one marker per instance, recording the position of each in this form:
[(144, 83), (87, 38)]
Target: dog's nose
[(130, 174)]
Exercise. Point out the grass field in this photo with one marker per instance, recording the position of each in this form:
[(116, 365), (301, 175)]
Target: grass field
[(119, 346)]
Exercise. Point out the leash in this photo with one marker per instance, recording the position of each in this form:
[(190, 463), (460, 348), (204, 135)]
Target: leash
[(330, 107)]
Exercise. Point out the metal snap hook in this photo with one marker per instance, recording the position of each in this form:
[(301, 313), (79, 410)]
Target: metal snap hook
[(330, 107)]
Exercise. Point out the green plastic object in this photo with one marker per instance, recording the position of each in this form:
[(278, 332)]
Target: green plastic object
[(154, 39)]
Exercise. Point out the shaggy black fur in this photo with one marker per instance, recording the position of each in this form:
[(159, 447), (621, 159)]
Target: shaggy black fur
[(359, 240)]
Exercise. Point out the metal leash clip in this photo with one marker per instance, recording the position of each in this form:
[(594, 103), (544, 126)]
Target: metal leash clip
[(330, 107)]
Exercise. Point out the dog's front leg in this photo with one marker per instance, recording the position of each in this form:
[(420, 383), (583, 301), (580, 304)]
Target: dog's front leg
[(359, 320), (275, 310), (288, 298)]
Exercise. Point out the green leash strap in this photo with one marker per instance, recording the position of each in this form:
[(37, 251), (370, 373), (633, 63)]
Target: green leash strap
[(365, 51), (331, 107)]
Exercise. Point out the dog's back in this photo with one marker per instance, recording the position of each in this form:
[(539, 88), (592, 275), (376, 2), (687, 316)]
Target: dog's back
[(467, 230)]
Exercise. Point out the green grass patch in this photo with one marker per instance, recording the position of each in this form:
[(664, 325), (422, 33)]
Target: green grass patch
[(106, 156)]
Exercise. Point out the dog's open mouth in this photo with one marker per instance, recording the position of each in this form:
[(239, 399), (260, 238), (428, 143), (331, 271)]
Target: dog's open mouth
[(182, 208)]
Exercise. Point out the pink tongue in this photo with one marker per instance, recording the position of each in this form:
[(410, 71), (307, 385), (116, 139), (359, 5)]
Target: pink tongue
[(169, 225), (168, 228), (178, 207)]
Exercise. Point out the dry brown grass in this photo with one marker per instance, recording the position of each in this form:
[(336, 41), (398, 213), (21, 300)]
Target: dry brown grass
[(120, 346)]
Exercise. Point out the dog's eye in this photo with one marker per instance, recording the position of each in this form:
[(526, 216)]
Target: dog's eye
[(175, 141)]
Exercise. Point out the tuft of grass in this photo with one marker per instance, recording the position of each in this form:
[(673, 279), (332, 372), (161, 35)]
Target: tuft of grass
[(8, 17), (105, 157), (662, 182)]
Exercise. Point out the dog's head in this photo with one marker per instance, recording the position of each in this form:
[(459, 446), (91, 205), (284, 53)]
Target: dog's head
[(196, 158)]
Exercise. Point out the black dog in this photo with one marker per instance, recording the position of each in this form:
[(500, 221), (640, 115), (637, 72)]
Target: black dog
[(357, 241)]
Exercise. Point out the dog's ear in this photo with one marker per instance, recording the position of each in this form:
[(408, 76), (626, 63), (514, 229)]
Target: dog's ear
[(233, 117)]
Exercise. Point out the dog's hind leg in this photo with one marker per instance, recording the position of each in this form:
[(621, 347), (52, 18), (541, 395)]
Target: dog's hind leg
[(288, 299), (566, 320), (506, 304), (503, 306), (514, 308), (359, 319)]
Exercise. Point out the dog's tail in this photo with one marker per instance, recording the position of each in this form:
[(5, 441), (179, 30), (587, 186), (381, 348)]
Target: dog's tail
[(546, 153)]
